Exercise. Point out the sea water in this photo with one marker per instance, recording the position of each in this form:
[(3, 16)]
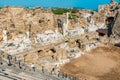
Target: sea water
[(91, 4)]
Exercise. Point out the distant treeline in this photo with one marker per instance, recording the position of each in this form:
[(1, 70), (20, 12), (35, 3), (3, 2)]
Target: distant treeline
[(64, 10)]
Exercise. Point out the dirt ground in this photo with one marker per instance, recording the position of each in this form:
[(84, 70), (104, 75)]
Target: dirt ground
[(102, 63)]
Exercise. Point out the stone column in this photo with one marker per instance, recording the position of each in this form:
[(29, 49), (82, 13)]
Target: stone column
[(4, 36), (35, 39), (65, 25), (9, 57), (27, 35)]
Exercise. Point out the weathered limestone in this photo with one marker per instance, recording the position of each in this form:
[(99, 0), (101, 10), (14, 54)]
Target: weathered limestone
[(65, 25), (87, 15), (17, 45), (48, 37), (1, 34), (19, 20), (91, 46), (37, 35), (75, 32), (116, 26), (27, 35), (94, 27), (1, 37), (109, 10), (4, 36)]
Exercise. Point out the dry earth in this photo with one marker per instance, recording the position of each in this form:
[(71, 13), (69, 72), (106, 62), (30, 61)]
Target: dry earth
[(101, 63)]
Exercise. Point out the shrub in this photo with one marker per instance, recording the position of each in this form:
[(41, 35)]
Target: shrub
[(60, 11)]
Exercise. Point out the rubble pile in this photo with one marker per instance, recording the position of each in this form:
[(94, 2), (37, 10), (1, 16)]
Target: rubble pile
[(48, 40)]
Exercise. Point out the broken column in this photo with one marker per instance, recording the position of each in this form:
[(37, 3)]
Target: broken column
[(65, 25), (27, 35), (35, 40), (4, 36)]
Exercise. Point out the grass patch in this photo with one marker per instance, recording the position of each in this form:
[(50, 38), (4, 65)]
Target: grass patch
[(73, 16)]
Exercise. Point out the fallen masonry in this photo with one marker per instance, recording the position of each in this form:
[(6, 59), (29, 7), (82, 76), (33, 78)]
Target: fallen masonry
[(38, 41)]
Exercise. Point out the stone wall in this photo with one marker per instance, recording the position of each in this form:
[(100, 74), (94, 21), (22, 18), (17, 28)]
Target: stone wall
[(18, 20), (109, 10), (116, 26)]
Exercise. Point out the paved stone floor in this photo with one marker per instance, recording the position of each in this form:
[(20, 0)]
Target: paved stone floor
[(14, 73)]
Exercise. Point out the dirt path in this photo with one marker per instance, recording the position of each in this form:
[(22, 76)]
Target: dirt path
[(101, 63)]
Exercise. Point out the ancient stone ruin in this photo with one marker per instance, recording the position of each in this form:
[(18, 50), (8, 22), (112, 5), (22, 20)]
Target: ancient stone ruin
[(40, 40)]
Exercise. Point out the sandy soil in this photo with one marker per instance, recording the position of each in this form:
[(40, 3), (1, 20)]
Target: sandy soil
[(102, 63)]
